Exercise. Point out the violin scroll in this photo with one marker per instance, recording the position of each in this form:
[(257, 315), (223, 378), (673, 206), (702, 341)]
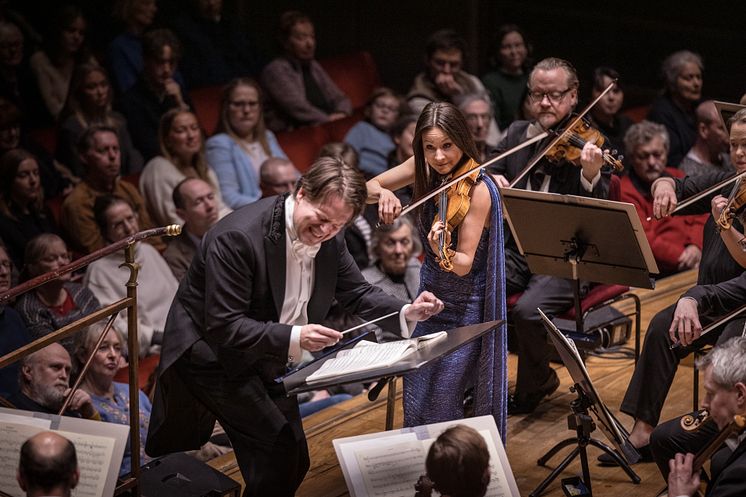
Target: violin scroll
[(693, 421), (736, 201)]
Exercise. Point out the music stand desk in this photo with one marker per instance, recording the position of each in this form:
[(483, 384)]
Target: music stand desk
[(295, 381)]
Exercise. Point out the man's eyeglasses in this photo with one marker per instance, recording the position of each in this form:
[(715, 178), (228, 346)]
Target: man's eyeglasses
[(554, 97)]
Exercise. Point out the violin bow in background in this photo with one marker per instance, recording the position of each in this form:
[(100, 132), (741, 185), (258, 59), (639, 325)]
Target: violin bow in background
[(560, 135)]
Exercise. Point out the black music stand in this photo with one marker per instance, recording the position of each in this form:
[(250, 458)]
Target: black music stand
[(295, 381), (580, 238), (588, 401)]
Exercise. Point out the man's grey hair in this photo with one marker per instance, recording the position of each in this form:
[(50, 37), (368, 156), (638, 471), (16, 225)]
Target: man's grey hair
[(644, 132), (728, 361)]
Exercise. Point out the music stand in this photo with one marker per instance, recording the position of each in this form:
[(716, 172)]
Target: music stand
[(588, 401), (726, 110), (580, 238), (295, 381)]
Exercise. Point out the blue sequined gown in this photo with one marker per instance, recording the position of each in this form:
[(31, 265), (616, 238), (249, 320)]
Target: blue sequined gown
[(435, 392)]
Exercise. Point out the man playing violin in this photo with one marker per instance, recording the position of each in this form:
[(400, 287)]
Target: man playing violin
[(725, 386), (718, 272), (553, 93)]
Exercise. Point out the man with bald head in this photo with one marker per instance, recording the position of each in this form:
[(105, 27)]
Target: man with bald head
[(710, 152), (277, 176), (44, 380), (48, 466)]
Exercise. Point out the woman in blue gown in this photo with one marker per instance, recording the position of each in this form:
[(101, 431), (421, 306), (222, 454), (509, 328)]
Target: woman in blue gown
[(473, 286)]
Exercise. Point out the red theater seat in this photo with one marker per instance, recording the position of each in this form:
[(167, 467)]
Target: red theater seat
[(207, 106), (355, 74), (302, 145)]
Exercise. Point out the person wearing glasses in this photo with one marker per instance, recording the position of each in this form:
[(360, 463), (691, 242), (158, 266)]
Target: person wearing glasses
[(553, 94), (300, 91), (242, 143)]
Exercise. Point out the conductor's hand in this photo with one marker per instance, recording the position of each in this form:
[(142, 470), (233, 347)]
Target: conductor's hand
[(682, 480), (389, 206), (314, 337), (664, 198), (685, 326), (425, 305)]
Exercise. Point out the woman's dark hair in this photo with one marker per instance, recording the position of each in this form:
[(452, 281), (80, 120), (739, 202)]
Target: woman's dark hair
[(600, 73), (9, 164), (74, 105), (100, 208), (458, 463), (63, 18), (497, 41), (446, 117)]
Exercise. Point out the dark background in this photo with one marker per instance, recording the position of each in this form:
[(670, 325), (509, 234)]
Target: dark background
[(633, 37)]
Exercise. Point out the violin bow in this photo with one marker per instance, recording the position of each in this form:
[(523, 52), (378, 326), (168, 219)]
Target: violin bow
[(687, 202), (458, 178), (560, 135)]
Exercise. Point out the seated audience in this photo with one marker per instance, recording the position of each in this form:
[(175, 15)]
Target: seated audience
[(477, 110), (217, 47), (508, 81), (125, 51), (17, 82), (605, 115), (299, 90), (676, 241), (111, 399), (682, 74), (44, 384), (48, 465), (402, 133), (56, 178), (370, 138), (277, 176), (182, 156), (60, 301), (195, 202), (23, 214), (358, 232), (89, 103), (457, 464), (99, 153), (241, 144), (64, 48), (710, 150), (116, 219), (155, 91), (14, 334)]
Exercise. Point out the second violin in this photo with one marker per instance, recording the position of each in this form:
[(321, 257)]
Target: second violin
[(573, 139)]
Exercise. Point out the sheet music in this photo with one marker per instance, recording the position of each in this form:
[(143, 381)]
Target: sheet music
[(392, 471), (94, 458), (25, 420), (498, 486)]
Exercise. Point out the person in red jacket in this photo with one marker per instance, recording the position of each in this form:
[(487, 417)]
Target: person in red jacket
[(676, 241)]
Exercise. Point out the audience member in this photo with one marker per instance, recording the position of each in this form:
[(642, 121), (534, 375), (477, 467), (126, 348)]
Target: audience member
[(89, 103), (16, 78), (116, 219), (58, 302), (477, 110), (216, 47), (402, 132), (44, 385), (64, 48), (155, 91), (55, 177), (358, 232), (676, 240), (99, 153), (14, 334), (300, 92), (195, 203), (457, 464), (125, 51), (508, 81), (182, 156), (605, 115), (48, 466), (23, 214), (277, 176), (370, 138), (111, 399), (682, 74), (241, 144), (710, 150)]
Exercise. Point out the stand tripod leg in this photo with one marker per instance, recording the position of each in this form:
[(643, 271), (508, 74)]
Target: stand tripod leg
[(555, 473), (619, 460), (558, 446), (584, 466)]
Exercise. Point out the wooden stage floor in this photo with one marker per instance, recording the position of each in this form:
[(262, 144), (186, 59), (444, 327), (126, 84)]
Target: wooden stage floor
[(529, 437)]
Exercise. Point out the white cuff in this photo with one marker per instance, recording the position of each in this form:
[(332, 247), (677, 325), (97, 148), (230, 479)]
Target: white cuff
[(295, 353), (407, 327), (590, 185)]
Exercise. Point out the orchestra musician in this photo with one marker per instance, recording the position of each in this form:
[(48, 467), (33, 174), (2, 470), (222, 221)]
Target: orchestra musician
[(553, 94), (247, 307), (463, 264)]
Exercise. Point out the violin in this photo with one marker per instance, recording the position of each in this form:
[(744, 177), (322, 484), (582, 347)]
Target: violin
[(453, 205), (736, 201), (573, 139), (692, 421)]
